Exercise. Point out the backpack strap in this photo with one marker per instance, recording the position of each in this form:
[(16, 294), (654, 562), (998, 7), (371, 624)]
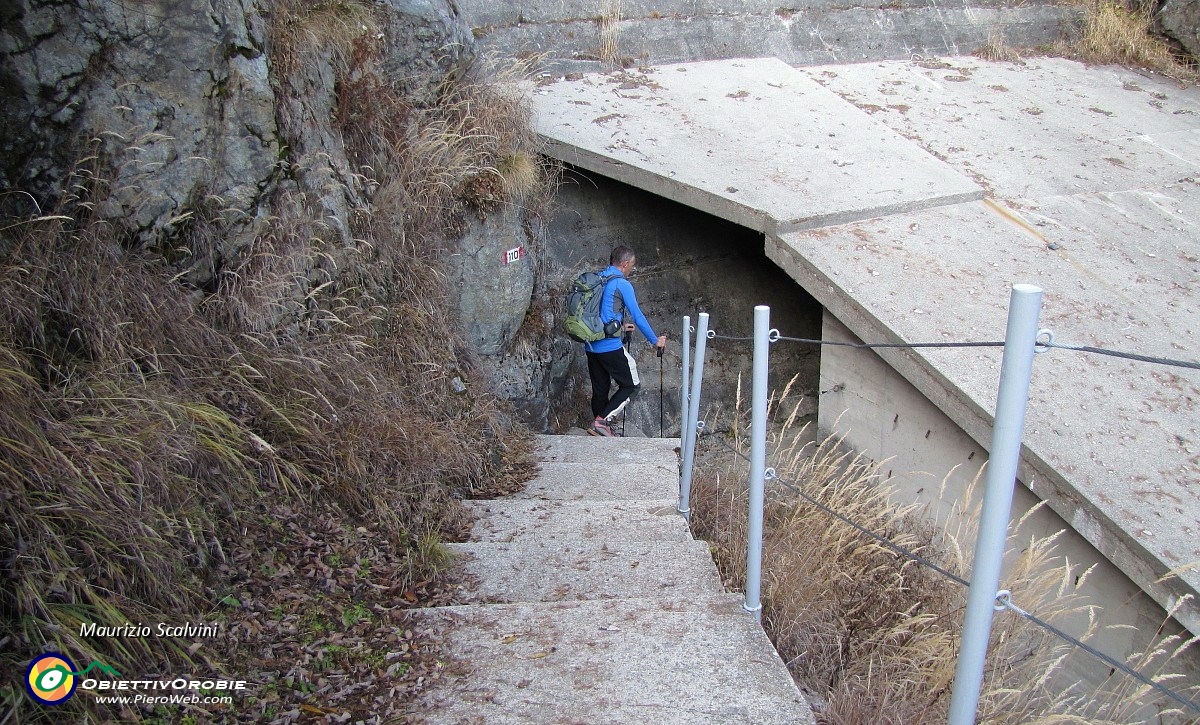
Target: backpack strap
[(604, 287)]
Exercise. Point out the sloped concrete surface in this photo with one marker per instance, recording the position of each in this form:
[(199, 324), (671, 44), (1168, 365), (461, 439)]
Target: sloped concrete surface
[(753, 141), (593, 608)]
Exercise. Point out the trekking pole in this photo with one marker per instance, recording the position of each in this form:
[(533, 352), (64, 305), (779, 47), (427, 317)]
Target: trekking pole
[(661, 434), (626, 340)]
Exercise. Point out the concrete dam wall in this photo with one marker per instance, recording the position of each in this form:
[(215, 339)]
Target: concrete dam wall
[(578, 36)]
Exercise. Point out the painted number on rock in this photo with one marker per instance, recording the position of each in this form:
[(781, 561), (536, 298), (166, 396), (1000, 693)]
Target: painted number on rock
[(514, 254)]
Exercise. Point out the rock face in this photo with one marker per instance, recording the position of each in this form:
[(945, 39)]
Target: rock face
[(427, 40), (1179, 20), (217, 119), (494, 281), (179, 94), (198, 119), (510, 317)]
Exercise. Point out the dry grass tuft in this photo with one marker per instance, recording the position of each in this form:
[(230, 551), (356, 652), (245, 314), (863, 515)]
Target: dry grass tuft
[(520, 175), (610, 33), (872, 636), (328, 30), (996, 48), (473, 150), (1114, 33)]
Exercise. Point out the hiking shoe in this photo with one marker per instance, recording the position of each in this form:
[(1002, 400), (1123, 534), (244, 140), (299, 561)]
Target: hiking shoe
[(601, 428)]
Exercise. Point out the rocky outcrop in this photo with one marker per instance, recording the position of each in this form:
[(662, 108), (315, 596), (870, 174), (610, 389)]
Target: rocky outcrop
[(494, 279), (199, 112), (177, 96), (236, 135), (1179, 20)]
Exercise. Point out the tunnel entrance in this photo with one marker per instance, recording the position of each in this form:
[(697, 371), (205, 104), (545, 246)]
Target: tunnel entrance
[(688, 262)]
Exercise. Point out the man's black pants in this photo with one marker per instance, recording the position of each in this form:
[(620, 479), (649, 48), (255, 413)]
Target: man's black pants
[(605, 368)]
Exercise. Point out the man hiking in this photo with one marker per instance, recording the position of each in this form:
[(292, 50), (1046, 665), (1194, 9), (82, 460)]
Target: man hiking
[(608, 359)]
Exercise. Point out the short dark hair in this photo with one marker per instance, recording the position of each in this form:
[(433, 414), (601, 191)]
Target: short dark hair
[(620, 254)]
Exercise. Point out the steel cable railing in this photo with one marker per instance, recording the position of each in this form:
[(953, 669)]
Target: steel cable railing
[(1023, 340), (1003, 597)]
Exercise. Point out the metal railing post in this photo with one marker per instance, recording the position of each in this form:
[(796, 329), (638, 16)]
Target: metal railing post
[(1025, 305), (684, 395), (758, 461), (693, 415)]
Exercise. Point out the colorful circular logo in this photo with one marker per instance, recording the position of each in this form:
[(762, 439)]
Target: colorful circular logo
[(49, 679)]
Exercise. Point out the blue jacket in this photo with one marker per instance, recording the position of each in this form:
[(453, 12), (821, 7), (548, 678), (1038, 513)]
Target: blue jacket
[(621, 285)]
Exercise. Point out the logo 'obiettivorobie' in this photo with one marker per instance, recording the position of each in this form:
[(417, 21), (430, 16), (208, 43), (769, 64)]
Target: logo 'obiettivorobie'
[(50, 678)]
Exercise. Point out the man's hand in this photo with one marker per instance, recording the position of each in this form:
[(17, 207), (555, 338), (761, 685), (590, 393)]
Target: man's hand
[(662, 342)]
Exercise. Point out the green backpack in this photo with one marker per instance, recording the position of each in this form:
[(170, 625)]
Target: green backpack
[(582, 306)]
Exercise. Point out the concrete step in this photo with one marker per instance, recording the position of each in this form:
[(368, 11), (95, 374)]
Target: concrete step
[(550, 571), (661, 660), (578, 468), (591, 449), (603, 482), (516, 520)]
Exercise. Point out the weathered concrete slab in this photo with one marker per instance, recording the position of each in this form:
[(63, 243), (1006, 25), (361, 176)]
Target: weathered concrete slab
[(514, 520), (551, 570), (698, 660), (1098, 206), (1046, 128), (752, 141), (601, 482)]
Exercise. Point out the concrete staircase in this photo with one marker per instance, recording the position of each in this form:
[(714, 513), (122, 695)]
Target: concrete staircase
[(595, 605)]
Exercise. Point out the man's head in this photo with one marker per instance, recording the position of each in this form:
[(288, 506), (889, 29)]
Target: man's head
[(623, 259)]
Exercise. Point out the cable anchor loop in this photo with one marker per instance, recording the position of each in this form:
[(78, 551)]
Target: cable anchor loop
[(1003, 600), (1041, 346)]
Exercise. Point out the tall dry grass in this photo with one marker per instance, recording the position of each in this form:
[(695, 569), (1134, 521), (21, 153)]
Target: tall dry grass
[(871, 636), (147, 427), (609, 28), (1116, 33), (1111, 32), (1119, 33), (474, 151)]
